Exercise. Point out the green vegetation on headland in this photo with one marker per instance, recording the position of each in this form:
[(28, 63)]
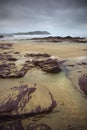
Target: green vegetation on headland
[(25, 33), (32, 33)]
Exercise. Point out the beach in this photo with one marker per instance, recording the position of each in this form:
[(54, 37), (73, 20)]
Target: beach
[(70, 111), (62, 50)]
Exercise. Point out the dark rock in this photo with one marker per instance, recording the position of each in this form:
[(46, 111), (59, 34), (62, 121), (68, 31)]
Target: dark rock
[(61, 39), (6, 56), (1, 56), (84, 49), (5, 46), (15, 125), (10, 70), (12, 59), (49, 65), (83, 83), (18, 125), (16, 52), (6, 70), (70, 127), (54, 104), (1, 36), (19, 101), (34, 126), (12, 105), (84, 61), (71, 65), (37, 55)]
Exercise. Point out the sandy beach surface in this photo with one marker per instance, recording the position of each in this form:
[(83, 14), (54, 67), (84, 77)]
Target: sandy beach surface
[(61, 50), (71, 110)]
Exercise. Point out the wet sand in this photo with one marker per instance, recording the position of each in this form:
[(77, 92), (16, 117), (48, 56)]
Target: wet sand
[(61, 50), (71, 110)]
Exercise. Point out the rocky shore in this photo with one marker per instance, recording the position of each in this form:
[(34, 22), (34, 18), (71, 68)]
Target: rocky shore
[(23, 106), (61, 39), (9, 69), (25, 99)]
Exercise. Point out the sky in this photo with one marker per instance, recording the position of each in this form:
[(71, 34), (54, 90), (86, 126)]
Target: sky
[(59, 17)]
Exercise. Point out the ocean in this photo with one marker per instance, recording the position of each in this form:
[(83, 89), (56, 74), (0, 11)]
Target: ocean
[(23, 37)]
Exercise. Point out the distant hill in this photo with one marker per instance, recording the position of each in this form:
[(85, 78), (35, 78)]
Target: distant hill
[(32, 33)]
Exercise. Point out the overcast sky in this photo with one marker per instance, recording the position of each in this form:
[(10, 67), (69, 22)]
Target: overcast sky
[(60, 17)]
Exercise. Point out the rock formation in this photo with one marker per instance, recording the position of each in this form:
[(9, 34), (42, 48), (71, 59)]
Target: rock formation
[(49, 65), (5, 46), (18, 125), (83, 83), (9, 69), (24, 100), (61, 39), (38, 55)]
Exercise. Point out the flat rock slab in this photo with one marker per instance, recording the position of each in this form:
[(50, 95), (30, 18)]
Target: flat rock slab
[(24, 100), (83, 83)]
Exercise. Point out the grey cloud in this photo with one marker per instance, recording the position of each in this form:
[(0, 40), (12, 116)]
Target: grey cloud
[(53, 15)]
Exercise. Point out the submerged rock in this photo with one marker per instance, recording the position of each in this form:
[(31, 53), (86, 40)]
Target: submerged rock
[(18, 125), (49, 65), (24, 100), (83, 83)]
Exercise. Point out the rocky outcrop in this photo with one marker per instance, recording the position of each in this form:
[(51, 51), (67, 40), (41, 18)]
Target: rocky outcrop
[(16, 52), (61, 39), (34, 126), (5, 46), (83, 83), (10, 70), (38, 55), (24, 100), (49, 65), (18, 125), (6, 56)]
